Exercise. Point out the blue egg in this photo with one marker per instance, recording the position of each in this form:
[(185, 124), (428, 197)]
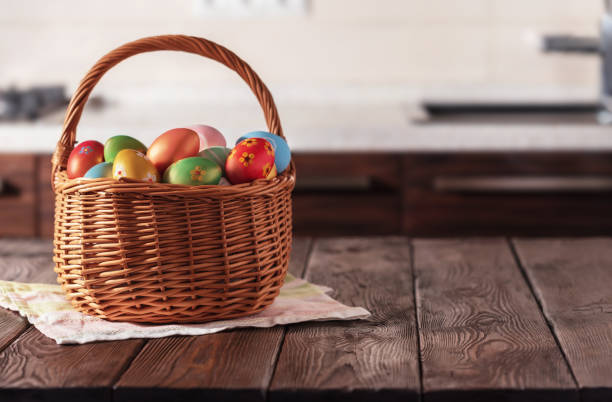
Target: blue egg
[(103, 169), (282, 154)]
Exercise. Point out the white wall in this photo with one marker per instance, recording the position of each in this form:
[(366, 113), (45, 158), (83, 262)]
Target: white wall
[(430, 45)]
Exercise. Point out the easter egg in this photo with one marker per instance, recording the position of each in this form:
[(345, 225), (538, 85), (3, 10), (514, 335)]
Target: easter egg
[(194, 171), (217, 155), (281, 148), (272, 173), (173, 145), (133, 164), (209, 136), (251, 159), (104, 169), (83, 157), (113, 145)]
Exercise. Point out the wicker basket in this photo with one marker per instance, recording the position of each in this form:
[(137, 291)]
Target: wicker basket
[(159, 253)]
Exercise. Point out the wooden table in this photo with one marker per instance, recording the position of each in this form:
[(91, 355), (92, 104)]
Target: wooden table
[(453, 319)]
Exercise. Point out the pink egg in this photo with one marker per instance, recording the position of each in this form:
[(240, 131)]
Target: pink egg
[(209, 136)]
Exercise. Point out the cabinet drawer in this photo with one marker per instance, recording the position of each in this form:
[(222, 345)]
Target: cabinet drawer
[(18, 195)]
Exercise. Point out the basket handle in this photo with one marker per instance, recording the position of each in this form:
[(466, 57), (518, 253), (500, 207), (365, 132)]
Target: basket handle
[(190, 44)]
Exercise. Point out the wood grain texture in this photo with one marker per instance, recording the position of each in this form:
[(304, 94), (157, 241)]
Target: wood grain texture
[(235, 365), (24, 261), (11, 326), (572, 278), (34, 367), (482, 334), (373, 359)]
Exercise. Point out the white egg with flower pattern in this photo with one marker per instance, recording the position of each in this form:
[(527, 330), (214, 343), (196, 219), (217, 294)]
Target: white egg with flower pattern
[(132, 164)]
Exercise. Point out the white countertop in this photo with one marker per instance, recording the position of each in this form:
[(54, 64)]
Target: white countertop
[(312, 127)]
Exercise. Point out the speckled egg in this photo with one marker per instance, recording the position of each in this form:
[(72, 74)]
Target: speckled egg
[(251, 159), (133, 164), (173, 145), (217, 155), (83, 157), (113, 145), (281, 148), (209, 136), (194, 171), (104, 169)]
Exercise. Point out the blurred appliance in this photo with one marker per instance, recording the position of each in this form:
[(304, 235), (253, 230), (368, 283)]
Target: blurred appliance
[(32, 103), (588, 45)]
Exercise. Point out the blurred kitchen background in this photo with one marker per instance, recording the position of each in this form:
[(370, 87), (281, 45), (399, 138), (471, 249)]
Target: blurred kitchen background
[(418, 117)]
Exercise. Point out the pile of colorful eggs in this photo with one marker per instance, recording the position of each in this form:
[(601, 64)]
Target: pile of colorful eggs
[(193, 155)]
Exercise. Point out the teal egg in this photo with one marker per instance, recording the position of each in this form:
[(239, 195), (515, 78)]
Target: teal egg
[(193, 171), (282, 153), (103, 169), (216, 154), (113, 145)]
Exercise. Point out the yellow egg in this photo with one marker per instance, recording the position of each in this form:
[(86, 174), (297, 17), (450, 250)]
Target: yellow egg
[(133, 164)]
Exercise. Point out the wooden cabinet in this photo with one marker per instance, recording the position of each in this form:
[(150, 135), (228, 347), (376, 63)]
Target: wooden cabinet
[(18, 195), (417, 194), (526, 194)]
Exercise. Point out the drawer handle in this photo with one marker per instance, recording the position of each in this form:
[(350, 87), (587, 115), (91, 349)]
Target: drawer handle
[(522, 184), (7, 189)]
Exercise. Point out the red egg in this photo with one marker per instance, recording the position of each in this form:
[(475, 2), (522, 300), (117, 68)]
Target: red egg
[(251, 159), (175, 144), (83, 157)]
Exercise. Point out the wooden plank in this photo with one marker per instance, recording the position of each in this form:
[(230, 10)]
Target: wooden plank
[(571, 278), (234, 365), (482, 334), (11, 326), (373, 359), (24, 261), (34, 367)]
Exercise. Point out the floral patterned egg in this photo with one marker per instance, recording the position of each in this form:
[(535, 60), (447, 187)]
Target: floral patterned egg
[(194, 171), (282, 153), (104, 169), (251, 159), (113, 145), (217, 155), (172, 146), (83, 157), (133, 164)]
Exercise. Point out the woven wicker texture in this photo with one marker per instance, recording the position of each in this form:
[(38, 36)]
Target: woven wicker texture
[(153, 252)]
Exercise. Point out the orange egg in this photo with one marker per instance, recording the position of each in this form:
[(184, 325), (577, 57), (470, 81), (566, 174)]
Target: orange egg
[(172, 146)]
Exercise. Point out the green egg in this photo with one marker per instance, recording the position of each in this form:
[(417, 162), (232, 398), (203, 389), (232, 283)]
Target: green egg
[(216, 154), (194, 171), (119, 142)]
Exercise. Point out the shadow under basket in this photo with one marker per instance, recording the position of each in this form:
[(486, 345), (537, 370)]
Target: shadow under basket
[(127, 250)]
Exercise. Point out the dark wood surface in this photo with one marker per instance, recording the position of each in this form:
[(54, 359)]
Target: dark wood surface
[(360, 360), (453, 319), (572, 279), (480, 328)]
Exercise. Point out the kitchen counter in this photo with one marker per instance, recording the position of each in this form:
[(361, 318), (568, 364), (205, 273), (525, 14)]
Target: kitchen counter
[(336, 127)]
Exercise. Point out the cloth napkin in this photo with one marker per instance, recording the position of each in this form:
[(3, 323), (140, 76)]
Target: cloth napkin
[(46, 307)]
